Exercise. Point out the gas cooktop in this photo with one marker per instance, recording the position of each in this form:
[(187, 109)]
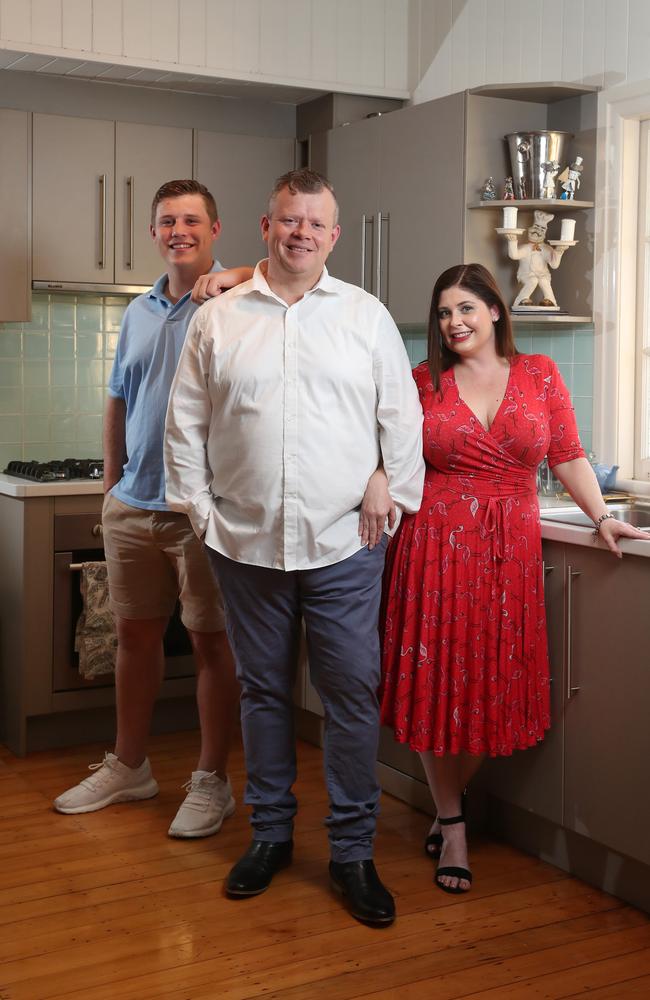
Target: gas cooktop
[(49, 472)]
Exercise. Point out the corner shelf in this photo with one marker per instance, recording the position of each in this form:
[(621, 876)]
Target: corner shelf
[(533, 203), (540, 319)]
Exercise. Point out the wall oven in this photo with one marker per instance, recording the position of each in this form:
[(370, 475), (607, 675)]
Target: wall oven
[(78, 539)]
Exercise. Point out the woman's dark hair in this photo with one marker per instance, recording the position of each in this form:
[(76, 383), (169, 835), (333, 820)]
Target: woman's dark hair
[(475, 279)]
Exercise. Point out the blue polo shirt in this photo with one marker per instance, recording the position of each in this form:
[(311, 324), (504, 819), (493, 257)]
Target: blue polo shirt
[(149, 346)]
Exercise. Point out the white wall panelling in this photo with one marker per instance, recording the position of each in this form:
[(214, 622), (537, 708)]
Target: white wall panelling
[(357, 46), (597, 42), (76, 25), (108, 27)]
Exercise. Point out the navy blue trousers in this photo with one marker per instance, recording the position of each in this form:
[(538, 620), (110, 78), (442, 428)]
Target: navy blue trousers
[(340, 608)]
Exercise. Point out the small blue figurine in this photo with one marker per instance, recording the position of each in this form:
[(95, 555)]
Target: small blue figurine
[(570, 178), (488, 191)]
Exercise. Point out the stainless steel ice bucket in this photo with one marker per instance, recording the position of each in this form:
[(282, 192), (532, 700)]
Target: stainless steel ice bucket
[(528, 152)]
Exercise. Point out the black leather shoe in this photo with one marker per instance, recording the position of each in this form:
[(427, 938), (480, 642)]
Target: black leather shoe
[(253, 872), (365, 896)]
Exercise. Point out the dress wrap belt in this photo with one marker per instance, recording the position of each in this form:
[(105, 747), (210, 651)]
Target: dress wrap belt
[(492, 495)]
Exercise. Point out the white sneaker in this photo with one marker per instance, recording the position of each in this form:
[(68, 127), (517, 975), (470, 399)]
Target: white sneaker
[(208, 802), (112, 782)]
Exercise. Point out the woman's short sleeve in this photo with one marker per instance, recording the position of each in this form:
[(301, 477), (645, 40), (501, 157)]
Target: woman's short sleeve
[(565, 443)]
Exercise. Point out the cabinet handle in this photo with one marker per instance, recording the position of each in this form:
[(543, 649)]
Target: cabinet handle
[(130, 183), (380, 220), (364, 223), (97, 530), (102, 221), (378, 260), (571, 688), (545, 569)]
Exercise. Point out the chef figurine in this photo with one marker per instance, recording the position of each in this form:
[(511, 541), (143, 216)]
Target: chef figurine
[(535, 257), (570, 178), (550, 168)]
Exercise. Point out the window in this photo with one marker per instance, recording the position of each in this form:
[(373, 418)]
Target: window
[(622, 284), (642, 346)]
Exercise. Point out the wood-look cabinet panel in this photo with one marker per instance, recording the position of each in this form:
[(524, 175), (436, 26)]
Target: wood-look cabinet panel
[(73, 202), (606, 718), (15, 252), (590, 772), (240, 171), (422, 197), (352, 166), (145, 157), (401, 202), (93, 186)]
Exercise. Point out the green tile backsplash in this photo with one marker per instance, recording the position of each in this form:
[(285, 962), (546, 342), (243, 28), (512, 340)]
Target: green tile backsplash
[(572, 347), (53, 373)]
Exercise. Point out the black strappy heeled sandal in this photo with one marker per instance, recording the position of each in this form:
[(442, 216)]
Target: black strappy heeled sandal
[(433, 841), (452, 870), (433, 845)]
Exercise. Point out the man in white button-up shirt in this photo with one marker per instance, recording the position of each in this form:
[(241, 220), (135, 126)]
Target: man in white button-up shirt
[(291, 389)]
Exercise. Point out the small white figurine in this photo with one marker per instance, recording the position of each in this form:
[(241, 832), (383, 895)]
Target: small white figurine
[(488, 191), (550, 168), (535, 257), (570, 178)]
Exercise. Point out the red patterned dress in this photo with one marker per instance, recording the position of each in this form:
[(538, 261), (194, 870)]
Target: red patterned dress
[(465, 663)]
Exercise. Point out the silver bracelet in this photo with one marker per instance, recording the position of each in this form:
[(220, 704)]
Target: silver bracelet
[(603, 517)]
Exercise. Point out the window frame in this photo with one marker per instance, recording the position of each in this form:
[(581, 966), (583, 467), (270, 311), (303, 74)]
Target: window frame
[(620, 113)]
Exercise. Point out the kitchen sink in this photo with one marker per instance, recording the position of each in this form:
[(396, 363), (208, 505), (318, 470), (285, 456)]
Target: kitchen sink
[(635, 512)]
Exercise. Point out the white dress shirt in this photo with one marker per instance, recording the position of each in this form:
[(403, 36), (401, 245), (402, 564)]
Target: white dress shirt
[(278, 416)]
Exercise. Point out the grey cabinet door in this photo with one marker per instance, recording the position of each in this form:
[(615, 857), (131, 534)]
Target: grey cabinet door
[(73, 199), (353, 169), (145, 157), (15, 253), (240, 171), (607, 737), (532, 779), (422, 196)]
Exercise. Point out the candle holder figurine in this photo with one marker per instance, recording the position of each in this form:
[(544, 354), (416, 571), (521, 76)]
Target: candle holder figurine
[(536, 257)]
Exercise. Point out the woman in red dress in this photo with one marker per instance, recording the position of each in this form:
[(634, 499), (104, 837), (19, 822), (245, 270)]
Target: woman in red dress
[(465, 666)]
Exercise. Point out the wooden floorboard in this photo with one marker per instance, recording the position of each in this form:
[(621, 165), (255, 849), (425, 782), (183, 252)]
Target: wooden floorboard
[(105, 905)]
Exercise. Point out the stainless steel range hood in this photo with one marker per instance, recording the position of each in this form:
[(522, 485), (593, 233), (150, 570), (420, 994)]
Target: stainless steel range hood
[(72, 287)]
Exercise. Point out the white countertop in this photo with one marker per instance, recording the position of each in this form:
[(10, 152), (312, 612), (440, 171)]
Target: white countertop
[(555, 531), (12, 486)]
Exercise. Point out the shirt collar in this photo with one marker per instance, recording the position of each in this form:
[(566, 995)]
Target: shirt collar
[(258, 283), (158, 290)]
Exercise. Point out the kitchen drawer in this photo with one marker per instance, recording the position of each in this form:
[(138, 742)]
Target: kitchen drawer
[(77, 531)]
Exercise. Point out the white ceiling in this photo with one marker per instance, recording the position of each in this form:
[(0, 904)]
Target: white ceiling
[(157, 79)]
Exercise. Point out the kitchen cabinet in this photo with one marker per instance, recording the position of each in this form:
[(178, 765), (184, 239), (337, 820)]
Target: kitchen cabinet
[(398, 178), (607, 739), (408, 184), (240, 170), (491, 113), (15, 251), (44, 701), (93, 183), (587, 773)]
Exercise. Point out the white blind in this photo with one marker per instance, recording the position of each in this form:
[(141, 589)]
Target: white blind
[(642, 394)]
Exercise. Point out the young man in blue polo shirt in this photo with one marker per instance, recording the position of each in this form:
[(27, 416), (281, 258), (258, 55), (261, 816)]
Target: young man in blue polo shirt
[(152, 553)]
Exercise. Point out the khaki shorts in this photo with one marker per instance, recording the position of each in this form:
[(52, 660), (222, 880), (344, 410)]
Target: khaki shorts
[(154, 558)]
